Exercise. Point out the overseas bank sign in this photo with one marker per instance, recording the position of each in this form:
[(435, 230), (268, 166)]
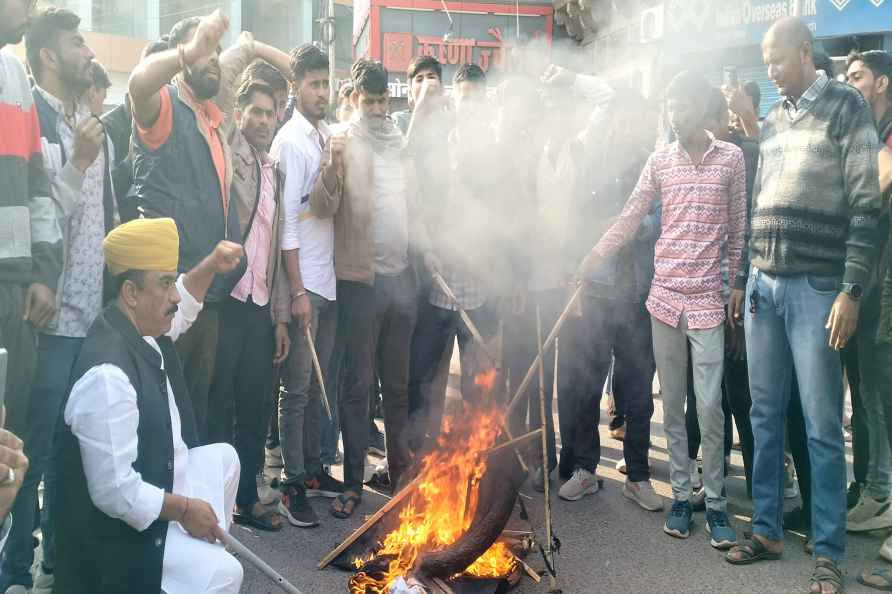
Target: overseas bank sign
[(725, 23)]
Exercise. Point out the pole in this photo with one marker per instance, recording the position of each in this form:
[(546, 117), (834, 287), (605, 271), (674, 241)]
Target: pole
[(332, 60), (234, 545), (541, 357)]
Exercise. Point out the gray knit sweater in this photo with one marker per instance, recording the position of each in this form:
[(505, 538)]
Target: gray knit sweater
[(817, 192)]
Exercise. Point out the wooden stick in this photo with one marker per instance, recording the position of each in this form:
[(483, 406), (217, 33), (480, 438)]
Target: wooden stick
[(475, 332), (552, 336), (529, 570), (373, 519), (318, 367), (443, 586), (234, 545), (540, 357), (512, 442)]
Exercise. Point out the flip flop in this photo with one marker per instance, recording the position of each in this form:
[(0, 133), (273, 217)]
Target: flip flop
[(344, 499), (754, 552), (884, 575), (262, 522)]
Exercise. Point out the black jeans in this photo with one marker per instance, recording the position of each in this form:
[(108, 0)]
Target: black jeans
[(241, 395), (860, 428), (434, 333), (623, 330), (197, 349), (520, 340), (375, 324)]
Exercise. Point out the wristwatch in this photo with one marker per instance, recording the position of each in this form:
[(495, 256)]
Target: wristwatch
[(853, 290)]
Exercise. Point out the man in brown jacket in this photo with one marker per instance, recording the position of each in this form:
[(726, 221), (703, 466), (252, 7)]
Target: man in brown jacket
[(367, 184), (254, 319)]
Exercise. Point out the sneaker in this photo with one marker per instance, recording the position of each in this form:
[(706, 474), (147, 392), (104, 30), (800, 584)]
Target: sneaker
[(582, 483), (696, 479), (376, 443), (43, 581), (698, 500), (680, 519), (295, 507), (323, 485), (537, 479), (722, 534), (369, 470), (797, 520), (621, 467), (17, 589), (869, 514), (853, 494), (380, 478), (886, 550), (791, 485), (643, 494)]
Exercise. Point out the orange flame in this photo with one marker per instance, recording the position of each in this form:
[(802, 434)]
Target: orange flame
[(442, 507), (486, 380)]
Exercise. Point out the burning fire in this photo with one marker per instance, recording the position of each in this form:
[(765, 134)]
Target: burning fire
[(442, 507)]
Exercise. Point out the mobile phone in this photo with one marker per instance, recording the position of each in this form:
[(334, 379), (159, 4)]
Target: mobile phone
[(3, 357), (730, 77)]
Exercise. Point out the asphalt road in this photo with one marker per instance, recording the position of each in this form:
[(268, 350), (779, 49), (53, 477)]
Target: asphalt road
[(610, 545)]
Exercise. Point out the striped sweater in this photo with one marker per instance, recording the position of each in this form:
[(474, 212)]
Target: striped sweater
[(30, 236), (817, 192)]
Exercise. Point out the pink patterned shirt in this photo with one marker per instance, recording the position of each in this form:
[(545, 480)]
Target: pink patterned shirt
[(703, 212), (254, 281)]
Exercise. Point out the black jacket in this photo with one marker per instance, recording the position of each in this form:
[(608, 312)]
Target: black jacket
[(98, 554)]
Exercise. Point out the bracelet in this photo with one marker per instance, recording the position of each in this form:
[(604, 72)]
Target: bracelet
[(299, 294), (181, 50), (185, 511)]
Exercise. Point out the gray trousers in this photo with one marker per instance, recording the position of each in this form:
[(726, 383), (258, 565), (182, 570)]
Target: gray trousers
[(708, 357), (300, 402), (874, 365)]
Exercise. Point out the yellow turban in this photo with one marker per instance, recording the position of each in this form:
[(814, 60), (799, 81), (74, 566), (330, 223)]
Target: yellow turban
[(143, 244)]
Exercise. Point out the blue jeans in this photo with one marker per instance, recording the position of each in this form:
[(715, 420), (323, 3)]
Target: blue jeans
[(55, 359), (786, 334)]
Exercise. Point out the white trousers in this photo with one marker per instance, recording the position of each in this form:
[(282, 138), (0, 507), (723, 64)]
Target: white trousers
[(193, 566)]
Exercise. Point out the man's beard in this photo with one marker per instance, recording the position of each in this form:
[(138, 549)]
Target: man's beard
[(204, 87), (77, 82)]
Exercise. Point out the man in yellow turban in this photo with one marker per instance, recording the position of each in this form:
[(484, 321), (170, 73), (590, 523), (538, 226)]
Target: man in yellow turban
[(144, 508)]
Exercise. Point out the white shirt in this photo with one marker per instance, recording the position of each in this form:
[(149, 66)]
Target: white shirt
[(391, 232), (103, 415), (298, 148)]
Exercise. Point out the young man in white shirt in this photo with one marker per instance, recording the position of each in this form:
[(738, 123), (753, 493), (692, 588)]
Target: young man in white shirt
[(308, 247)]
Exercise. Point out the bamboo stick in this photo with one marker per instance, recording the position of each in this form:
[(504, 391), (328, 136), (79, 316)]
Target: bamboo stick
[(475, 332), (540, 358), (318, 368), (512, 442), (552, 336), (236, 546), (373, 519)]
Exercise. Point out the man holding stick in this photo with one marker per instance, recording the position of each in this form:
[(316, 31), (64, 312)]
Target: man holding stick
[(308, 245), (702, 184), (143, 506)]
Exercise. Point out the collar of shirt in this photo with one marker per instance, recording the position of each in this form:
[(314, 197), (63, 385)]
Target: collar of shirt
[(207, 109), (81, 110), (809, 96), (304, 125), (681, 151)]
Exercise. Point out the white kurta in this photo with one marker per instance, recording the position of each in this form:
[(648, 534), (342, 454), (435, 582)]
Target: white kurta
[(103, 414)]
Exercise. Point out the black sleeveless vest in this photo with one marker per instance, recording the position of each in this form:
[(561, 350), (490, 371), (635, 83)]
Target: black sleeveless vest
[(97, 554)]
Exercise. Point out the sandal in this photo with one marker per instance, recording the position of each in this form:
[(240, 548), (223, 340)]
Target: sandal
[(826, 572), (263, 521), (344, 499), (753, 550), (878, 579)]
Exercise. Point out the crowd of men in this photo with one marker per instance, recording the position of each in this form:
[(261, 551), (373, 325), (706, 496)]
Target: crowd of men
[(189, 270)]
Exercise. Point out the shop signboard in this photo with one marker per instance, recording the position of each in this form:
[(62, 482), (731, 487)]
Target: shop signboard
[(699, 24)]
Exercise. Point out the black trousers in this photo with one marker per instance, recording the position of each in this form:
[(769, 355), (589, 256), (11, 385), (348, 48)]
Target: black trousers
[(621, 330), (241, 395), (434, 333), (375, 325)]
